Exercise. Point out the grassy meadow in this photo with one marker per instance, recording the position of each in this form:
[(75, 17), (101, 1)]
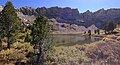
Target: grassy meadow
[(105, 51)]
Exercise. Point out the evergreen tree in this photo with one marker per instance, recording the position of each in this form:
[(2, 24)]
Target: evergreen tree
[(95, 31), (105, 28), (40, 34), (1, 29), (110, 26), (98, 31), (10, 22), (89, 32)]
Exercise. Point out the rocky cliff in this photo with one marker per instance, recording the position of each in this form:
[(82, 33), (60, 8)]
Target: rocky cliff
[(72, 16), (62, 15)]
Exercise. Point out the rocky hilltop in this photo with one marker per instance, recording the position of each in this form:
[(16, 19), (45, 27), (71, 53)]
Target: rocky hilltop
[(62, 15), (72, 16), (65, 19)]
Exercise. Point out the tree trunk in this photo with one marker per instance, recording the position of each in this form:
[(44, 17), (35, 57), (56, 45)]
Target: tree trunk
[(8, 40), (0, 43), (40, 55)]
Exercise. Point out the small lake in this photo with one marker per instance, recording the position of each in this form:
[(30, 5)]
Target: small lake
[(73, 39)]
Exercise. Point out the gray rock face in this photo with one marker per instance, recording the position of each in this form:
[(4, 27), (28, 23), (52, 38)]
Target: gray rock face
[(64, 27), (62, 15), (27, 10), (72, 16), (26, 18)]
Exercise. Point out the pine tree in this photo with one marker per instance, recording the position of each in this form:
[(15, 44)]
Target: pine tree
[(1, 29), (89, 32), (98, 31), (40, 33), (111, 26), (10, 22), (95, 31), (105, 28)]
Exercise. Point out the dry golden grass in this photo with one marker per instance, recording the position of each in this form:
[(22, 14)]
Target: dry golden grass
[(105, 51), (17, 53)]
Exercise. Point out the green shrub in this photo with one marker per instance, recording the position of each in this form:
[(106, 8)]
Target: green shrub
[(17, 52)]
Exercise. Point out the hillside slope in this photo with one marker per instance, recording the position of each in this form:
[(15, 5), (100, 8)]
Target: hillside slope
[(73, 16)]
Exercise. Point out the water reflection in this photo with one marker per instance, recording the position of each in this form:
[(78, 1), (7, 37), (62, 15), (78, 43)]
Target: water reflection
[(73, 39)]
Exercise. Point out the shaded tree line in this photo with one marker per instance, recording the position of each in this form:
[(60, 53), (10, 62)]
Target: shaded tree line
[(109, 27)]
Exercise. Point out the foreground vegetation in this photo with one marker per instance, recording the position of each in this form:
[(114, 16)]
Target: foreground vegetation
[(105, 51), (17, 53)]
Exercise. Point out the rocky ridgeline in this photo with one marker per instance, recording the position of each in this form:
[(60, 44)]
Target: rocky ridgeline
[(62, 15), (72, 16), (28, 15)]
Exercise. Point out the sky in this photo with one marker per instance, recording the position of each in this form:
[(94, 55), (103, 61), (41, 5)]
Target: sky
[(81, 5)]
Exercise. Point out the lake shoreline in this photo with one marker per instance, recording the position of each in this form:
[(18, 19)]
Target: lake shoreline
[(81, 33), (67, 33)]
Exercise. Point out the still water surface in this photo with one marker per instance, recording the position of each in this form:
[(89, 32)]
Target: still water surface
[(73, 39)]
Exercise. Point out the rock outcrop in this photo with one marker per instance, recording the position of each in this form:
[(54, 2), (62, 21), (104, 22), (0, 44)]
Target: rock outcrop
[(26, 18), (64, 27), (62, 15), (72, 16)]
